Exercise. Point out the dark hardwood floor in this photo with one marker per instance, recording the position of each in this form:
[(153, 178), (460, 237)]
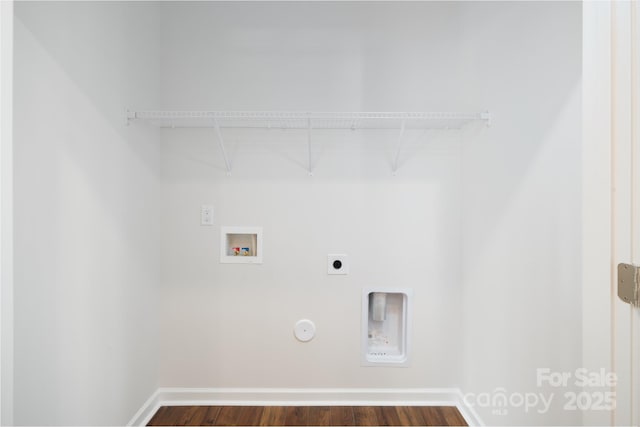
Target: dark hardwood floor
[(307, 416)]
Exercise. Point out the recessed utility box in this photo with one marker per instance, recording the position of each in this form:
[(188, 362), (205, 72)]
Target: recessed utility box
[(386, 326), (241, 245)]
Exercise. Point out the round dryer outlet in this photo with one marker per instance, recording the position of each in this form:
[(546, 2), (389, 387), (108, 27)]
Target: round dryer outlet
[(337, 264)]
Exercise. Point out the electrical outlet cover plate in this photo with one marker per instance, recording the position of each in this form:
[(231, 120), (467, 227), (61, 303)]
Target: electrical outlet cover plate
[(206, 215), (337, 264)]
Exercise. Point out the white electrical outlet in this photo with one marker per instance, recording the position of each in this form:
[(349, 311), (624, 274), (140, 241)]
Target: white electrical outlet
[(206, 215)]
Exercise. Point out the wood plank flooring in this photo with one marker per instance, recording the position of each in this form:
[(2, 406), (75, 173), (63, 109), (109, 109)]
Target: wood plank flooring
[(307, 416)]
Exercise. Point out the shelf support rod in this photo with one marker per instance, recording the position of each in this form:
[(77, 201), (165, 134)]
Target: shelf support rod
[(309, 146), (129, 116), (399, 146), (227, 163), (486, 116)]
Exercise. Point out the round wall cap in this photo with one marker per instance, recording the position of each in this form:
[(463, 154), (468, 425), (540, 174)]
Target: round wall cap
[(304, 330)]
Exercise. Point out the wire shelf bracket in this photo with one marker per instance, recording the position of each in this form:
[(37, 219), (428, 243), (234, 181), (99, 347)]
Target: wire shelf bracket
[(398, 148), (309, 147), (309, 121), (227, 163)]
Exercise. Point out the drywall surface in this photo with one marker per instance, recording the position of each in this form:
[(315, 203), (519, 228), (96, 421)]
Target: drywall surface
[(231, 325), (85, 196), (484, 225), (522, 216), (226, 325)]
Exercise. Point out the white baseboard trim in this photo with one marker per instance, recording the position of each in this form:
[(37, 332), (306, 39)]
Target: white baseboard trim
[(468, 413), (304, 396), (148, 410)]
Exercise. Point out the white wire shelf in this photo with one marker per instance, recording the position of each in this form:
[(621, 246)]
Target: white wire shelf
[(309, 121), (305, 120)]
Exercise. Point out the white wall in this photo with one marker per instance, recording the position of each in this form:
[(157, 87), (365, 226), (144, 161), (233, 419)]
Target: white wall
[(231, 325), (488, 239), (86, 187), (522, 208)]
